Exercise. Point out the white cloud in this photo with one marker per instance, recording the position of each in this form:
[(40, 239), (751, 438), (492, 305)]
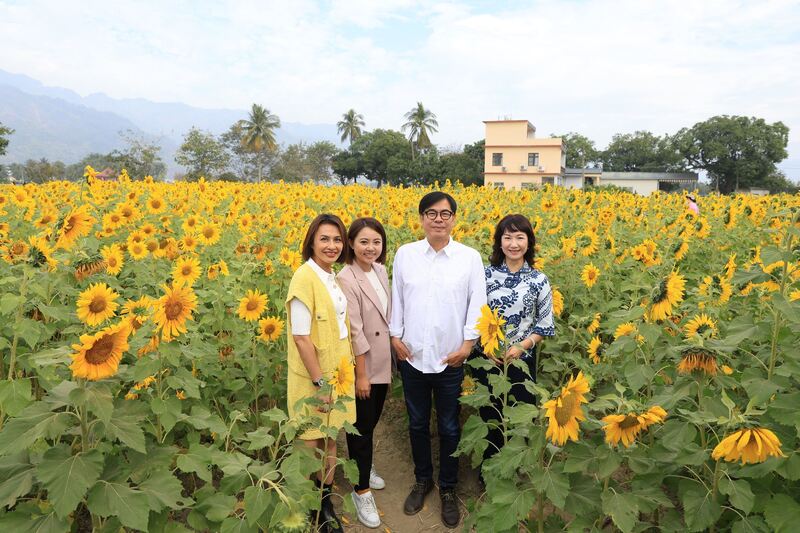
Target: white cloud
[(597, 67)]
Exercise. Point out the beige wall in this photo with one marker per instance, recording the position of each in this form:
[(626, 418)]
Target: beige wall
[(515, 140)]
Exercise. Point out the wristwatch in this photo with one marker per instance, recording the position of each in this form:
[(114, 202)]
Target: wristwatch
[(318, 383)]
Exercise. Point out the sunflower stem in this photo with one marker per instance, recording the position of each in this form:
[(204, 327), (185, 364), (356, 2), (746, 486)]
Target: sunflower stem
[(776, 317), (12, 365), (715, 491), (701, 408)]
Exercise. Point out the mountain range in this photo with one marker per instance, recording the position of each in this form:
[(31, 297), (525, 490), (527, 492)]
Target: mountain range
[(59, 124)]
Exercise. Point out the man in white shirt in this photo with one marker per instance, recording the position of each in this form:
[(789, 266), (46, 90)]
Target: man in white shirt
[(438, 288)]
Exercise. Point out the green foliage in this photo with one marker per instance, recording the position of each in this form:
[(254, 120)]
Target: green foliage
[(641, 151), (203, 154), (580, 150), (5, 132), (736, 151)]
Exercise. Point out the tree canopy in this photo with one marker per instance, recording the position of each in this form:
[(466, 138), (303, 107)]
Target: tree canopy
[(641, 151), (350, 126), (4, 133), (202, 154), (736, 151), (419, 123), (580, 150)]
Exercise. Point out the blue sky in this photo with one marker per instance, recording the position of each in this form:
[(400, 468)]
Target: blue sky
[(596, 67)]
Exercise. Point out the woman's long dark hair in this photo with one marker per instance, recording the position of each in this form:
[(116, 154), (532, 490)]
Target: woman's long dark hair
[(511, 223)]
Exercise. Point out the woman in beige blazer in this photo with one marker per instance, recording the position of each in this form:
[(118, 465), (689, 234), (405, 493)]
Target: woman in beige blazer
[(366, 286)]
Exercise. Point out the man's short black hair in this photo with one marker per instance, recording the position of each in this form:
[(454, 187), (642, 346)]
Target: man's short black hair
[(436, 197)]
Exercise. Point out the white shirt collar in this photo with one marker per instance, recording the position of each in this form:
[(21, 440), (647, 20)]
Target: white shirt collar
[(320, 271), (448, 249)]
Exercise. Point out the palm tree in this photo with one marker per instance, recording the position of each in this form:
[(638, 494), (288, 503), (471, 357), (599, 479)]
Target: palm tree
[(420, 121), (350, 125), (257, 131)]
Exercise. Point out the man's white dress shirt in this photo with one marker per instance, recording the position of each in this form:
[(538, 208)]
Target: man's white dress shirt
[(436, 300)]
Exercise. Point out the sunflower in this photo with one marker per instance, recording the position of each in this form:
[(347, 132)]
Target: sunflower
[(588, 243), (595, 324), (112, 255), (698, 359), (269, 268), (209, 234), (680, 250), (188, 243), (191, 223), (96, 304), (595, 349), (186, 271), (173, 310), (137, 250), (77, 223), (137, 311), (590, 275), (730, 267), (490, 327), (669, 293), (558, 302), (468, 386), (717, 288), (654, 415), (98, 356), (344, 377), (701, 325), (624, 330), (47, 217), (218, 269), (155, 204), (752, 445), (564, 411), (270, 328), (41, 252), (622, 428), (252, 305)]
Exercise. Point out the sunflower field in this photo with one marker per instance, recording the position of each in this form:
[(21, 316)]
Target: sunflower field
[(142, 377)]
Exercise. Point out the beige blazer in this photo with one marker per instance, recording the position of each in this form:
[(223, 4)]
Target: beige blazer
[(369, 326)]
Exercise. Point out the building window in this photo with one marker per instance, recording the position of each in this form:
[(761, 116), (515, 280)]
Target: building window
[(588, 181), (497, 160), (499, 185), (533, 159), (548, 180), (528, 185)]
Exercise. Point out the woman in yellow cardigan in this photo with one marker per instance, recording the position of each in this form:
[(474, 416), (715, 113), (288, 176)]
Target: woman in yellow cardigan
[(319, 347)]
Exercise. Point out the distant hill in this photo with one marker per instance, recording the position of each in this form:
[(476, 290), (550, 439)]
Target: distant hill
[(58, 123)]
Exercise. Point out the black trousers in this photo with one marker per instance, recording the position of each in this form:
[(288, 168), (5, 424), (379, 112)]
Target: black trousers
[(518, 394), (368, 412)]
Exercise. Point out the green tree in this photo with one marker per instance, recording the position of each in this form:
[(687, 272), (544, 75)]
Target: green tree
[(244, 163), (140, 157), (347, 165), (319, 160), (202, 154), (581, 151), (385, 156), (4, 133), (736, 151), (419, 122), (350, 125), (39, 171), (641, 151), (258, 132)]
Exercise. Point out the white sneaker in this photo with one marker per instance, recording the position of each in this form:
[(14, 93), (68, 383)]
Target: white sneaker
[(366, 510), (376, 482)]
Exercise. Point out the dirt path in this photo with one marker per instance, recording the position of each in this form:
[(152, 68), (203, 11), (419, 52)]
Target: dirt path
[(393, 462)]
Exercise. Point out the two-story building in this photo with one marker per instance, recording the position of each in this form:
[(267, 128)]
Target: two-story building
[(517, 159)]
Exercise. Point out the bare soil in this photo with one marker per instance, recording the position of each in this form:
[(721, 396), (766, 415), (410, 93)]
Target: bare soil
[(392, 458)]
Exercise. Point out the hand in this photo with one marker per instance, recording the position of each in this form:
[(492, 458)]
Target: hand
[(363, 387), (326, 400), (455, 359), (514, 352), (402, 351)]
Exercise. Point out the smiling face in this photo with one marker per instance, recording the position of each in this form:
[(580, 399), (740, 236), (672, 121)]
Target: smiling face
[(367, 246), (514, 245), (438, 229), (328, 245)]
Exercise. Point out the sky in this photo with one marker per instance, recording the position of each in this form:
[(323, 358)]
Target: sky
[(596, 67)]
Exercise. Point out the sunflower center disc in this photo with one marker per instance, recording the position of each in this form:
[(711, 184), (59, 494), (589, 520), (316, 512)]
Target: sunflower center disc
[(100, 352), (98, 304), (173, 310)]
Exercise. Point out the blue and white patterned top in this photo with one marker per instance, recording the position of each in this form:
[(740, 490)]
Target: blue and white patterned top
[(523, 299)]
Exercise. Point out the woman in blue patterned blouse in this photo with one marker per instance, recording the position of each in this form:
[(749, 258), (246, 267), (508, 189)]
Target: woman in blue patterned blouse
[(523, 298)]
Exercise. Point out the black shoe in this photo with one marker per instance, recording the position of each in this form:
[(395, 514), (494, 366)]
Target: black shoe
[(416, 498), (450, 513), (328, 521)]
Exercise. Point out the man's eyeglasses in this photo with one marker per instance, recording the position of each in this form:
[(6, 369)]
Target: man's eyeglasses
[(431, 214)]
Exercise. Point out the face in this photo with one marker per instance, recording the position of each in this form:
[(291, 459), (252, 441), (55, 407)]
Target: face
[(328, 245), (367, 246), (438, 228), (514, 245)]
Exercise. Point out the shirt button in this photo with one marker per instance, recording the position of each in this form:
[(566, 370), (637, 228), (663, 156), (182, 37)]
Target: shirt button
[(377, 333)]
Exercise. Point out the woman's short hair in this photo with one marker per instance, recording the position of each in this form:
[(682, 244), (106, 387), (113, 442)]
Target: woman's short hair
[(434, 198), (508, 224), (356, 227), (308, 242)]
